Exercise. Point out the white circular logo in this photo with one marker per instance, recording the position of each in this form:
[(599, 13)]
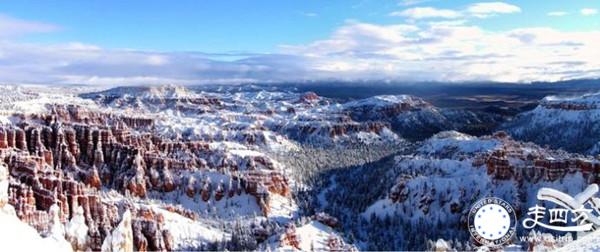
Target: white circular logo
[(492, 221)]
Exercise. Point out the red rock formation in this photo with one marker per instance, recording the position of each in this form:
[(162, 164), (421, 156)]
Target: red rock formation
[(74, 152), (3, 138), (344, 128), (220, 191), (335, 243), (205, 190), (309, 98), (290, 238), (543, 166), (190, 189), (93, 178), (326, 219)]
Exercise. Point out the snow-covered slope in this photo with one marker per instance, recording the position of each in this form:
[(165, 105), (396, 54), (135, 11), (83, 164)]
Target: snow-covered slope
[(590, 242), (242, 169), (22, 100), (425, 194), (188, 170), (18, 236), (311, 236), (570, 123), (268, 119), (452, 170), (414, 118), (457, 143)]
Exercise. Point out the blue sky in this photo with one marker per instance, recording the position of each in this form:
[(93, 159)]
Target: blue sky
[(252, 26), (316, 39)]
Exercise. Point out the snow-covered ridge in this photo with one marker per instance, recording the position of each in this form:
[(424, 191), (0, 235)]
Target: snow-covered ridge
[(570, 123), (452, 170), (459, 143), (381, 100), (593, 98), (147, 92), (30, 99)]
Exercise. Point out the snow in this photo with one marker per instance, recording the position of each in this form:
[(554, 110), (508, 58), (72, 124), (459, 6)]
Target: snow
[(76, 229), (542, 115), (313, 236), (442, 245), (228, 208), (28, 99), (590, 99), (590, 242), (445, 175), (457, 143), (445, 178), (18, 236), (121, 238), (371, 138), (572, 129), (3, 185), (246, 153), (282, 209), (188, 233), (380, 101), (148, 93)]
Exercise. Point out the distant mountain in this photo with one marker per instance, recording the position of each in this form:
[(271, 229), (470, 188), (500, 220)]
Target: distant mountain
[(415, 119), (568, 122)]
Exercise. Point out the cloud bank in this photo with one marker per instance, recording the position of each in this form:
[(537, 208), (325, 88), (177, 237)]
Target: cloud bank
[(450, 50), (12, 27), (426, 12), (487, 9), (588, 11)]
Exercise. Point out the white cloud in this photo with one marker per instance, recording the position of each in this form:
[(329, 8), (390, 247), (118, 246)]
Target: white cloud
[(588, 11), (479, 10), (88, 64), (455, 52), (557, 13), (411, 2), (11, 27), (440, 50), (486, 9), (426, 12)]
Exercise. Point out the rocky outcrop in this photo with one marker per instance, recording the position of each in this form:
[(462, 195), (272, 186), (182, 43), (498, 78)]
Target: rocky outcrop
[(157, 98), (385, 106), (65, 157), (326, 219), (290, 238), (18, 236), (335, 243), (518, 161), (149, 233), (3, 185), (568, 123), (77, 231), (120, 239)]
